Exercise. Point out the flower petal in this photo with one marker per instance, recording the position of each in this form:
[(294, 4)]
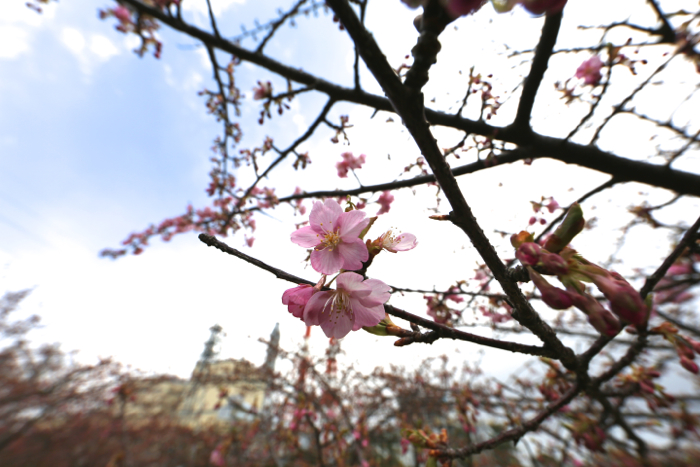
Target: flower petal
[(366, 316), (296, 299), (327, 261), (380, 293), (325, 215), (314, 310), (352, 284), (306, 237), (351, 224), (339, 328), (353, 253), (403, 242)]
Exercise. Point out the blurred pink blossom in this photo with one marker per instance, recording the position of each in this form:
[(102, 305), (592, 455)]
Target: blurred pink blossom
[(216, 458), (385, 200), (349, 162), (590, 70), (262, 91)]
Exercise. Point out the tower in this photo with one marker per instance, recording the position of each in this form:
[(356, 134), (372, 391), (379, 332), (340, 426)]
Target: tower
[(272, 349)]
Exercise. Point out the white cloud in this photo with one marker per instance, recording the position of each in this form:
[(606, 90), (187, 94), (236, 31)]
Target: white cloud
[(103, 47), (200, 6), (13, 41), (89, 51), (73, 40)]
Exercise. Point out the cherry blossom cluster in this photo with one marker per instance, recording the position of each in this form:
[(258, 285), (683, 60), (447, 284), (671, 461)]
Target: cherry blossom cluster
[(263, 91), (145, 27), (440, 310), (336, 239), (349, 162), (539, 207), (556, 258)]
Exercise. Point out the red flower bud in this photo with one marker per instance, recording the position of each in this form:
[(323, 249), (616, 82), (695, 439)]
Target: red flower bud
[(625, 302), (554, 264), (689, 365), (553, 296), (528, 253), (600, 318)]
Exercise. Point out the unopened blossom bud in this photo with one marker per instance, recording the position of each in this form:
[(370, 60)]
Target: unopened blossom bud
[(689, 365), (625, 302), (554, 264), (694, 344), (571, 226), (601, 319), (386, 328), (684, 351), (553, 296), (529, 253)]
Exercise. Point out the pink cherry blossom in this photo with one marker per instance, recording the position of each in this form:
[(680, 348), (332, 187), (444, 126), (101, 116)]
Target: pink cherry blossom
[(349, 162), (552, 206), (262, 91), (122, 13), (385, 200), (335, 237), (352, 305), (590, 70), (296, 299), (402, 242)]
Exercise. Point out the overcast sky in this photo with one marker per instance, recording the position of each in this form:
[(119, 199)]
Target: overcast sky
[(96, 143)]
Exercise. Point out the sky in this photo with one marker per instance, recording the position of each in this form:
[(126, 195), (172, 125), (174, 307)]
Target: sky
[(96, 143)]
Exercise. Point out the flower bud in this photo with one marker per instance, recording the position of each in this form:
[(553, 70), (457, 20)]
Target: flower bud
[(694, 344), (689, 365), (554, 264), (571, 226), (528, 253), (601, 319), (387, 328), (684, 351), (625, 302), (553, 296)]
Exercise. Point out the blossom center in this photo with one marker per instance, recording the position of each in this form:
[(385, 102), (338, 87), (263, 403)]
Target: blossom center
[(339, 305), (330, 241)]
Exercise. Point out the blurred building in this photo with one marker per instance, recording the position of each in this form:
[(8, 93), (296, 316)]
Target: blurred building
[(217, 393)]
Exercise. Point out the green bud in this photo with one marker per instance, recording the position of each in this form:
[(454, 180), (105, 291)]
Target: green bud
[(381, 328), (571, 226)]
